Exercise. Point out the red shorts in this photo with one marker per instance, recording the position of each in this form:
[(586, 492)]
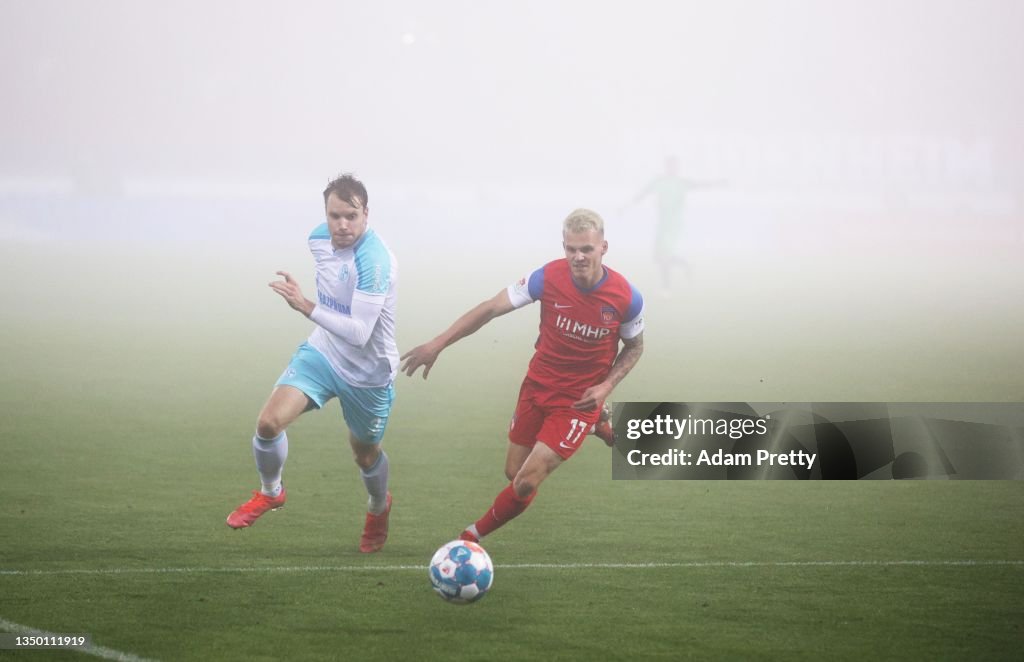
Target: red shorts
[(547, 416)]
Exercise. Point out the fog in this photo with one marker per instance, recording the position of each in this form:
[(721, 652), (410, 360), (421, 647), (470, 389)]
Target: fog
[(864, 159), (469, 114)]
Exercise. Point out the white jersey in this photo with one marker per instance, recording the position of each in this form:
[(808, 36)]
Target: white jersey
[(370, 269)]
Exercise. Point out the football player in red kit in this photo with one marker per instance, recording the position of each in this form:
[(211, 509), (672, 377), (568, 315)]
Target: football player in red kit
[(586, 309)]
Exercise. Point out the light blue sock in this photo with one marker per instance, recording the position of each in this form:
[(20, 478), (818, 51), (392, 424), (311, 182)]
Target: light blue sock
[(270, 455), (376, 481)]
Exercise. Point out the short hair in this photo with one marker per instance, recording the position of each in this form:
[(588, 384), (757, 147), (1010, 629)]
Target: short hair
[(349, 189), (582, 220)]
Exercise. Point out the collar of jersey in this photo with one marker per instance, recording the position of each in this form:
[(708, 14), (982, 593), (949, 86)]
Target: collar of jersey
[(604, 277), (356, 245)]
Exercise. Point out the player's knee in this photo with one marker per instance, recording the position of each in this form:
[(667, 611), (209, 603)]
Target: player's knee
[(365, 455), (523, 486), (268, 426)]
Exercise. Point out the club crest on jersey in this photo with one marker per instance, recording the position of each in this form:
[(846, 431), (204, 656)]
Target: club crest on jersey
[(608, 314), (344, 275)]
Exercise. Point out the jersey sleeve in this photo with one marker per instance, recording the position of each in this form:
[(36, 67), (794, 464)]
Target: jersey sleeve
[(375, 270), (320, 241), (634, 317), (527, 290), (356, 328)]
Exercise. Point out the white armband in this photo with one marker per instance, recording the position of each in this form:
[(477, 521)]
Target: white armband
[(633, 327)]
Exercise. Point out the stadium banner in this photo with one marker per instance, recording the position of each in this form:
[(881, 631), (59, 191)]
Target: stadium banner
[(818, 441)]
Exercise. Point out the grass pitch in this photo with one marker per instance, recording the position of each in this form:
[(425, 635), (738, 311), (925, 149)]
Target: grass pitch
[(127, 411)]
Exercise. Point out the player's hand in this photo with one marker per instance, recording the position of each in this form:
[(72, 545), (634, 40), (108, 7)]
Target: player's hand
[(593, 397), (291, 292), (423, 355)]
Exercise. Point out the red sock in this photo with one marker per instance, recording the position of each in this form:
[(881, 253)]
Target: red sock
[(506, 506)]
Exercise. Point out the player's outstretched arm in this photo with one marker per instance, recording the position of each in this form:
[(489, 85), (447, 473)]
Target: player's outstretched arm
[(646, 191), (624, 362), (471, 322)]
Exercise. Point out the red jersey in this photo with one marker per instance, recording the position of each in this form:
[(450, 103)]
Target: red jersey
[(579, 329)]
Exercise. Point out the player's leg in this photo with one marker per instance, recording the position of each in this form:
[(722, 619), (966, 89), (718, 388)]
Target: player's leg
[(507, 505), (553, 435), (515, 458), (373, 469), (270, 443), (666, 255), (522, 437), (559, 436), (664, 247), (538, 466), (366, 412), (684, 265), (270, 450), (518, 494), (304, 385)]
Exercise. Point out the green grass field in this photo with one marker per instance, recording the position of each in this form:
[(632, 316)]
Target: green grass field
[(130, 390)]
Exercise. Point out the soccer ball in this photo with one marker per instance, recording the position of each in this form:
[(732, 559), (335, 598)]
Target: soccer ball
[(461, 572)]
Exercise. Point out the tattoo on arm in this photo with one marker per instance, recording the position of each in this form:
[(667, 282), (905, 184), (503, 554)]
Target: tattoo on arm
[(627, 358)]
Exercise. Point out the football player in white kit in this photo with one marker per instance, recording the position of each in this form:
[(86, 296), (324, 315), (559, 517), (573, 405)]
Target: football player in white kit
[(351, 355)]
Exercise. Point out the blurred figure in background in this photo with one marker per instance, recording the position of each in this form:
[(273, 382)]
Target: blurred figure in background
[(669, 191)]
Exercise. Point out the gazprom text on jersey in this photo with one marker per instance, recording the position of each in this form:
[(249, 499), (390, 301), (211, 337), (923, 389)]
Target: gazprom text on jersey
[(333, 303)]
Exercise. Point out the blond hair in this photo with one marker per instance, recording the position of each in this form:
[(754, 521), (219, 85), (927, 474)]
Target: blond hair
[(583, 220)]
